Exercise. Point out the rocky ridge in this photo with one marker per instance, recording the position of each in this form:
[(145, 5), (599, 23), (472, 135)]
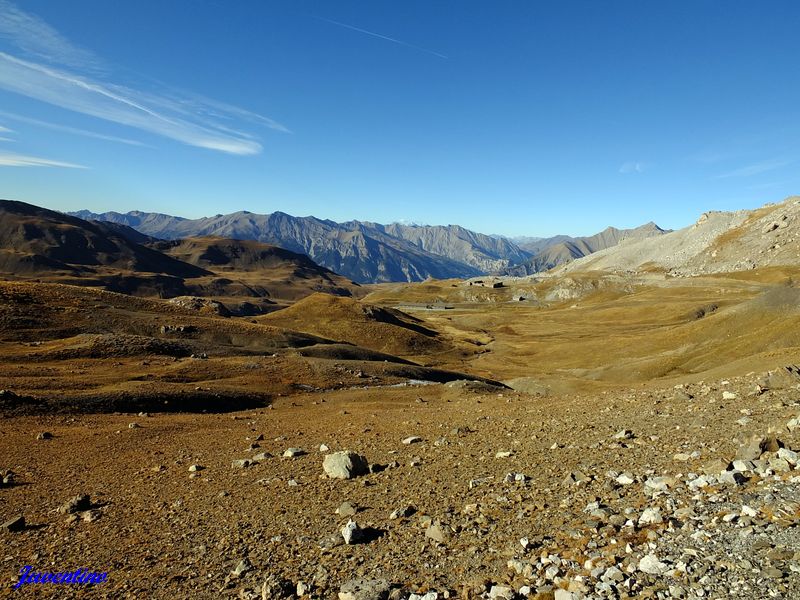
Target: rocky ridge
[(719, 242)]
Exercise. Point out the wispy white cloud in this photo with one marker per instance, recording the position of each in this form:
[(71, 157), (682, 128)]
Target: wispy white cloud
[(632, 167), (21, 160), (121, 105), (5, 139), (756, 168), (382, 37), (68, 129), (70, 78), (35, 37)]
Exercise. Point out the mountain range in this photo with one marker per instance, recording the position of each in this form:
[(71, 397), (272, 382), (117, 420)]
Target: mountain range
[(44, 245), (367, 252)]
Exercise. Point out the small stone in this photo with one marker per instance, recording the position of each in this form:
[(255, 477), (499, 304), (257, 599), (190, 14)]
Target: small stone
[(728, 396), (133, 426), (624, 434), (14, 525), (400, 513), (613, 574), (414, 439), (779, 465), (677, 591), (242, 463), (44, 435), (195, 468), (772, 573), (651, 565), (625, 479), (748, 511), (751, 450), (352, 533), (502, 454), (293, 452), (436, 532), (650, 516), (76, 504), (659, 484), (302, 588), (364, 589), (346, 509), (89, 516), (242, 567), (501, 592), (733, 478), (715, 466), (323, 448), (789, 456)]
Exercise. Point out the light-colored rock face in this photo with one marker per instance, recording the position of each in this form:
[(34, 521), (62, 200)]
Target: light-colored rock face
[(552, 252), (718, 242)]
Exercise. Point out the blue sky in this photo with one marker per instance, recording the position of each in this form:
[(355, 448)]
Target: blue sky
[(519, 118)]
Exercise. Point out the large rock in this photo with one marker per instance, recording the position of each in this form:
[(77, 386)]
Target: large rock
[(345, 465)]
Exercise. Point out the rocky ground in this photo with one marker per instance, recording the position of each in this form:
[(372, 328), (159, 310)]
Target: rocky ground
[(466, 491)]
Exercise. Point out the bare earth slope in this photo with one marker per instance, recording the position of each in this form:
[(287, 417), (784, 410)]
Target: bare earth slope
[(67, 347), (380, 329), (30, 235), (284, 274)]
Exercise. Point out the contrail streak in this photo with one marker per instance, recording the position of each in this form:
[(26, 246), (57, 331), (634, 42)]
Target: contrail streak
[(383, 37)]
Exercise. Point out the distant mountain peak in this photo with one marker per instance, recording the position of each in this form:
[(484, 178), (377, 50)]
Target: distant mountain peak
[(360, 250)]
